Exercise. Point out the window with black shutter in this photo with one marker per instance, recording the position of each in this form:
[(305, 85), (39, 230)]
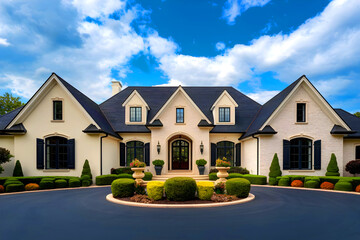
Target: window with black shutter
[(58, 151), (357, 152)]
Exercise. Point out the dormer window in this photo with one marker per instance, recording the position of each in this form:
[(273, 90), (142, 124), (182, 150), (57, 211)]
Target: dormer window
[(179, 115), (135, 114), (57, 110), (224, 114), (301, 112)]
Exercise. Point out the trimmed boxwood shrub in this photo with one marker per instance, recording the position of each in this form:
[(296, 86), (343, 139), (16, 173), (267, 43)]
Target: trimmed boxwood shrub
[(18, 169), (12, 181), (239, 187), (343, 186), (213, 176), (74, 182), (32, 187), (284, 181), (332, 169), (155, 190), (46, 184), (2, 189), (126, 170), (180, 188), (317, 179), (273, 181), (61, 183), (205, 190), (86, 180), (15, 187), (148, 176), (312, 184), (240, 170), (123, 187), (256, 179), (108, 179), (275, 168)]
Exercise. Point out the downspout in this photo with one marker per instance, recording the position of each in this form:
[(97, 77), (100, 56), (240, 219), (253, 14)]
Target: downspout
[(257, 155), (101, 138)]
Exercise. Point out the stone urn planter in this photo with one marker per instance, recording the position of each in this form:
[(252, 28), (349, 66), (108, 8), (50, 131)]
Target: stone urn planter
[(222, 174), (138, 174)]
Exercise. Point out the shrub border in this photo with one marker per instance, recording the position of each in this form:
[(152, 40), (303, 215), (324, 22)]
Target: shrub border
[(310, 189), (53, 189)]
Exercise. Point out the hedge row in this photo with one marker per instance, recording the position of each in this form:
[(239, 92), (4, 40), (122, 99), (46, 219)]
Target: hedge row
[(254, 179), (37, 179), (108, 179)]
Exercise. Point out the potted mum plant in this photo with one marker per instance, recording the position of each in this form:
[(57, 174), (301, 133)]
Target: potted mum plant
[(158, 166), (222, 165), (138, 167), (201, 165)]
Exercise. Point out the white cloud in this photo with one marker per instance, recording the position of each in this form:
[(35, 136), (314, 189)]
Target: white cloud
[(220, 46), (4, 42), (96, 8), (262, 96), (234, 8), (159, 47), (20, 86)]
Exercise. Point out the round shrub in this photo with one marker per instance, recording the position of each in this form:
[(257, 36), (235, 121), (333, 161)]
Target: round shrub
[(32, 187), (272, 181), (148, 176), (86, 180), (205, 190), (213, 176), (8, 182), (180, 188), (123, 187), (46, 184), (74, 182), (327, 185), (357, 189), (48, 179), (312, 184), (284, 181), (239, 187), (343, 186), (15, 187), (297, 183), (61, 183), (2, 189), (155, 190)]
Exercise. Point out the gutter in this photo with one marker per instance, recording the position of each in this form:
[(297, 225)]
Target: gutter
[(257, 155), (101, 138)]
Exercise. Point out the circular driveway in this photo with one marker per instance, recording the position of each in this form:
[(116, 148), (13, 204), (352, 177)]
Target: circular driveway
[(276, 213)]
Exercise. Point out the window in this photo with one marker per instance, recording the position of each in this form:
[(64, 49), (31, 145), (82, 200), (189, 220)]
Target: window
[(57, 110), (301, 112), (225, 149), (179, 115), (56, 153), (135, 114), (301, 153), (224, 114), (357, 152), (134, 149)]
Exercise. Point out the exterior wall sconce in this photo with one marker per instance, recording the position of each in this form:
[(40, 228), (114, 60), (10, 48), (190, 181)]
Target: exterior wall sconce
[(201, 148), (158, 147)]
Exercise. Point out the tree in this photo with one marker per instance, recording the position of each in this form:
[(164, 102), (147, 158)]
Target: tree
[(5, 157), (357, 114), (275, 170), (332, 169), (18, 170), (9, 103), (353, 167)]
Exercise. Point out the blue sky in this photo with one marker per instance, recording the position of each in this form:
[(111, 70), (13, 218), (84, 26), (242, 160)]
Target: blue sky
[(256, 46)]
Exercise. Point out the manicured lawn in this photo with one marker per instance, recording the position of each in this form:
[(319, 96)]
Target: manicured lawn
[(274, 214)]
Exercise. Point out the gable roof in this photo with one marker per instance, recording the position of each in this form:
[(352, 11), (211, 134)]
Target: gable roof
[(352, 121), (8, 117)]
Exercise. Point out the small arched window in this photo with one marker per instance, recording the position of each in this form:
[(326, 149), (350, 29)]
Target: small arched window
[(134, 149), (56, 153), (301, 153), (225, 149)]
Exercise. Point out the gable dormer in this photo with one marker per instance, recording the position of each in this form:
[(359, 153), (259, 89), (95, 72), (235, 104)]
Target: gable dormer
[(136, 109), (223, 109)]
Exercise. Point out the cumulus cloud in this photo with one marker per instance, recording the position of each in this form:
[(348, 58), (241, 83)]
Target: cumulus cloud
[(4, 42), (262, 96), (234, 8), (96, 8)]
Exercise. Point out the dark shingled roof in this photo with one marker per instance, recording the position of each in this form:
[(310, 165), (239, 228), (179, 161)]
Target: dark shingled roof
[(203, 97), (204, 123), (8, 117), (337, 129), (351, 120), (155, 123)]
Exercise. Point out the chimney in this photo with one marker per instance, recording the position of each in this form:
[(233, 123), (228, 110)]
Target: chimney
[(116, 87)]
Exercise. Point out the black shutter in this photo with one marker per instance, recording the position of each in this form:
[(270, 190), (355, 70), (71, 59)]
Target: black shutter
[(286, 154), (357, 152), (39, 153), (147, 154), (213, 154), (317, 155), (122, 155), (238, 154), (71, 153)]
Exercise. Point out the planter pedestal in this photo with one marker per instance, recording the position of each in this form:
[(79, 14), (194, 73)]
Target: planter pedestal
[(222, 174), (138, 175)]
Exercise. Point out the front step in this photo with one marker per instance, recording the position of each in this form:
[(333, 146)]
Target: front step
[(171, 175)]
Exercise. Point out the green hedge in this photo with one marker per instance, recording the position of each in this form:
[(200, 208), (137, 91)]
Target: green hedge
[(61, 183), (344, 185), (213, 176), (74, 183), (284, 181), (15, 187), (148, 176), (123, 187), (46, 184), (254, 179), (86, 180), (118, 171), (108, 179), (36, 179), (312, 183), (180, 188), (239, 187)]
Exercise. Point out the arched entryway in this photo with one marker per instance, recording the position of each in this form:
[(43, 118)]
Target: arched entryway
[(180, 153)]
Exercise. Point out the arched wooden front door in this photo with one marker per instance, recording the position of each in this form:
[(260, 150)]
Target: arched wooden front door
[(180, 154)]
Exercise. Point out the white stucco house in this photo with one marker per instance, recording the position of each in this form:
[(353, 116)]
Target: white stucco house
[(60, 127)]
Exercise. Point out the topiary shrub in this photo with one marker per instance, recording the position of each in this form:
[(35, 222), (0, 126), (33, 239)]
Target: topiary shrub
[(108, 179), (353, 167), (312, 184), (213, 176), (87, 172), (85, 180), (297, 183), (46, 184), (126, 170), (205, 190), (332, 169), (255, 179), (180, 188), (2, 189), (343, 186), (148, 176), (284, 181), (274, 168), (74, 183), (240, 170), (327, 185), (61, 183), (273, 181), (357, 189), (32, 187), (18, 170), (11, 181), (312, 179), (123, 188), (239, 187), (15, 187), (155, 190)]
